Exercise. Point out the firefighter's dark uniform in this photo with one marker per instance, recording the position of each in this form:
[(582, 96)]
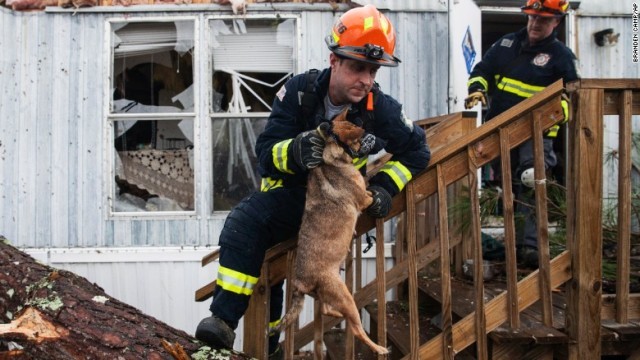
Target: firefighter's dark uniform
[(274, 214), (511, 71)]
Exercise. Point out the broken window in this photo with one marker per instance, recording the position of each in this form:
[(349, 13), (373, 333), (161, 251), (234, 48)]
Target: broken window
[(153, 111), (152, 115), (252, 58)]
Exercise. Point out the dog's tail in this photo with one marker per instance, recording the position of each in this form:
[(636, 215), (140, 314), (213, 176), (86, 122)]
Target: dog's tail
[(297, 302)]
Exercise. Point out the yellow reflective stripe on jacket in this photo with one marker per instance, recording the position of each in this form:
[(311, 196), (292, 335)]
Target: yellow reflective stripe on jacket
[(553, 131), (235, 281), (279, 153), (480, 80), (517, 87), (565, 110), (398, 173), (360, 162), (269, 183), (273, 324)]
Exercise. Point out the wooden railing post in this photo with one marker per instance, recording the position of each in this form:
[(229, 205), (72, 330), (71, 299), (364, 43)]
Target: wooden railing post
[(584, 225), (624, 207)]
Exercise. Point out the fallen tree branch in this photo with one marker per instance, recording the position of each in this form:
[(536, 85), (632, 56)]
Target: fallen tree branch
[(47, 313)]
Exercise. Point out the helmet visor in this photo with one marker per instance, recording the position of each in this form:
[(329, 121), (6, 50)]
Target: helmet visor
[(369, 53)]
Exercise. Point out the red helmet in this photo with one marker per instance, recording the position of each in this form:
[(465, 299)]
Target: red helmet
[(546, 8), (364, 34)]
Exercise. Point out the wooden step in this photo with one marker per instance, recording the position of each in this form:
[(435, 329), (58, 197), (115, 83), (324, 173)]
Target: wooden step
[(398, 326), (531, 329)]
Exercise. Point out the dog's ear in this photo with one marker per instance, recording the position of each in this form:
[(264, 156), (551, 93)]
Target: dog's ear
[(341, 117)]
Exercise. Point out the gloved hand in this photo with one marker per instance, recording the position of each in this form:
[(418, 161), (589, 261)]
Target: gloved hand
[(367, 143), (381, 204), (473, 99), (308, 147)]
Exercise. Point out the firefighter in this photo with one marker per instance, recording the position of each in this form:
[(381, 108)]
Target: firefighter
[(362, 40), (516, 67)]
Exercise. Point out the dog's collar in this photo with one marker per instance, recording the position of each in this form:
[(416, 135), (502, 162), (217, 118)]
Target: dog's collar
[(337, 140)]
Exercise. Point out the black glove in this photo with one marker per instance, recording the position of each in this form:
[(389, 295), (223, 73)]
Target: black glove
[(381, 204), (367, 143), (307, 149)]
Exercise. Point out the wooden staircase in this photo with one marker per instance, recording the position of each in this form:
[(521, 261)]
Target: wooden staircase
[(556, 311)]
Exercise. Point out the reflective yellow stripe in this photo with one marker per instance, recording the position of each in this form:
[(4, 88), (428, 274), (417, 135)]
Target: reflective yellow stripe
[(565, 110), (273, 324), (279, 153), (368, 23), (553, 131), (481, 80), (235, 281), (398, 173), (359, 162), (269, 183), (517, 87)]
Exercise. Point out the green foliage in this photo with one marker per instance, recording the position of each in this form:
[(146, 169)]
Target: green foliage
[(491, 198)]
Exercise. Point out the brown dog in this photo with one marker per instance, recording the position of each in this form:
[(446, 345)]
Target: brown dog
[(336, 194)]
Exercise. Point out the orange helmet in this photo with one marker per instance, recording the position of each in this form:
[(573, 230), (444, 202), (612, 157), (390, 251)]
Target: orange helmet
[(546, 8), (364, 34)]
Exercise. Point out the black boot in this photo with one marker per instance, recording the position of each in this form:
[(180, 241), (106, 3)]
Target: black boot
[(216, 333)]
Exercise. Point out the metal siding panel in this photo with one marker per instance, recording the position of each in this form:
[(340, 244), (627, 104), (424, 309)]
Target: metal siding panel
[(60, 141), (313, 50), (191, 233), (600, 7), (418, 83), (75, 120), (27, 128), (9, 61), (175, 229), (122, 230), (156, 232), (44, 90), (408, 5), (608, 61), (90, 144)]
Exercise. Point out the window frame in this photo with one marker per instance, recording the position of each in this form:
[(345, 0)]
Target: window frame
[(112, 117), (210, 114), (202, 114)]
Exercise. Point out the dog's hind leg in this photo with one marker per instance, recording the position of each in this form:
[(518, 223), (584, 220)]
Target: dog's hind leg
[(330, 311), (336, 294)]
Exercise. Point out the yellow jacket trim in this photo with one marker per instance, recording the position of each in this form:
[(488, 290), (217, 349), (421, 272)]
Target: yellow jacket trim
[(273, 324), (565, 110), (398, 173), (235, 281), (481, 80), (360, 162), (269, 183), (517, 87), (553, 131), (279, 153)]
